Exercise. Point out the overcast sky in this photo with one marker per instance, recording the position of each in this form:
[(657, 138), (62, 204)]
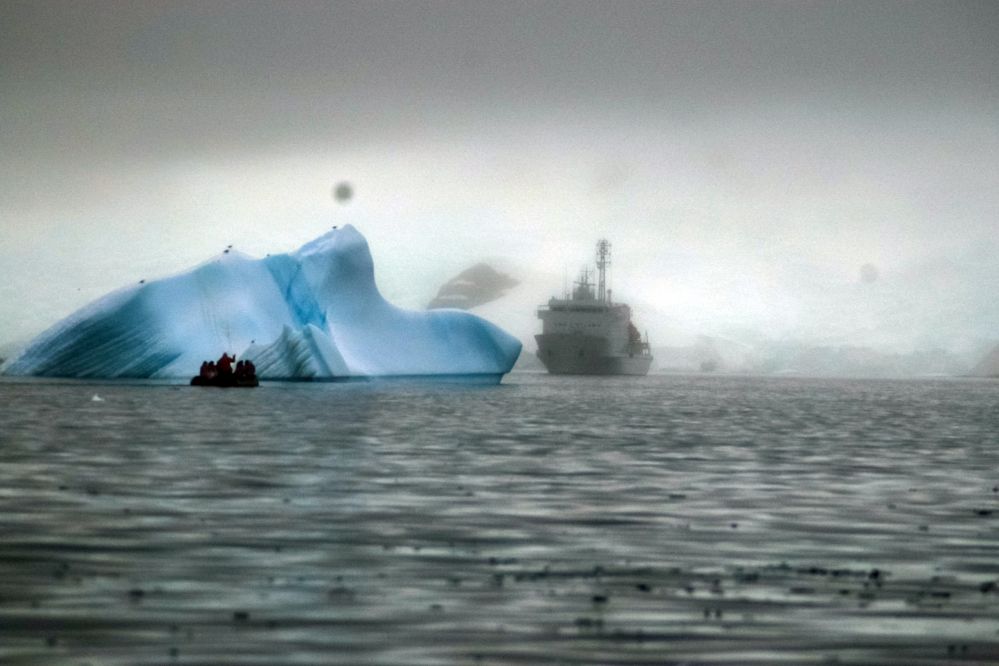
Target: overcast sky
[(745, 158)]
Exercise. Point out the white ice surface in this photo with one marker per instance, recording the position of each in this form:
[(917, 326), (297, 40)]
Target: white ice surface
[(314, 313)]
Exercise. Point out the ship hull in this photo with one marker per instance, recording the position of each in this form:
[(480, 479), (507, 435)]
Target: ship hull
[(574, 354)]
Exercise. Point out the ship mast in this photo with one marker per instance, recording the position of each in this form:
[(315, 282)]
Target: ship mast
[(603, 261)]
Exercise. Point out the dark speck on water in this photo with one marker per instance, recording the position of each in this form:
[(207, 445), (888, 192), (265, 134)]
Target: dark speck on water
[(667, 519)]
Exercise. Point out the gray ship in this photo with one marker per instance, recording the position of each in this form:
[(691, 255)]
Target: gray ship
[(585, 333)]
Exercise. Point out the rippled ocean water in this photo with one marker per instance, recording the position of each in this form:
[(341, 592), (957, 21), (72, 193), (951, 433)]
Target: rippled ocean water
[(547, 520)]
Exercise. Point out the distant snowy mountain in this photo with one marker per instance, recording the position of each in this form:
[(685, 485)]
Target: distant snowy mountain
[(796, 358), (474, 286), (313, 313), (704, 354)]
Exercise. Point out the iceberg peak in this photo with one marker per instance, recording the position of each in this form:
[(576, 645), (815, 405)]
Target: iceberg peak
[(337, 237)]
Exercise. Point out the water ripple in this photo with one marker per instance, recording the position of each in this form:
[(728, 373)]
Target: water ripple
[(544, 521)]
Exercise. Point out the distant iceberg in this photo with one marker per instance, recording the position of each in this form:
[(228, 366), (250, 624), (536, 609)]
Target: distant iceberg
[(311, 314)]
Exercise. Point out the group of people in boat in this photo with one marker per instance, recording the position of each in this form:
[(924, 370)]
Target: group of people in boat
[(224, 373)]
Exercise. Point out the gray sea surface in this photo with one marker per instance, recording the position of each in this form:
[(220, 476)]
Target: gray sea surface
[(546, 520)]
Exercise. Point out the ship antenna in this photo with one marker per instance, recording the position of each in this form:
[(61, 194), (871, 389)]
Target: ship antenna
[(603, 261)]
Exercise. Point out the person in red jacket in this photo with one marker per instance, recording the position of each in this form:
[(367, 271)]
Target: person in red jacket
[(224, 365)]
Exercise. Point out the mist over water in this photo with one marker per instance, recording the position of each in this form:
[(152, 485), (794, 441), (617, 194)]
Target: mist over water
[(545, 520), (746, 159)]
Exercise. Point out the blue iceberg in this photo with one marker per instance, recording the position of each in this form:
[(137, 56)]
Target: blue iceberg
[(311, 314)]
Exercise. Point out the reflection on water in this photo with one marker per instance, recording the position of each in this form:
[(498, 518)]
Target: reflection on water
[(543, 521)]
